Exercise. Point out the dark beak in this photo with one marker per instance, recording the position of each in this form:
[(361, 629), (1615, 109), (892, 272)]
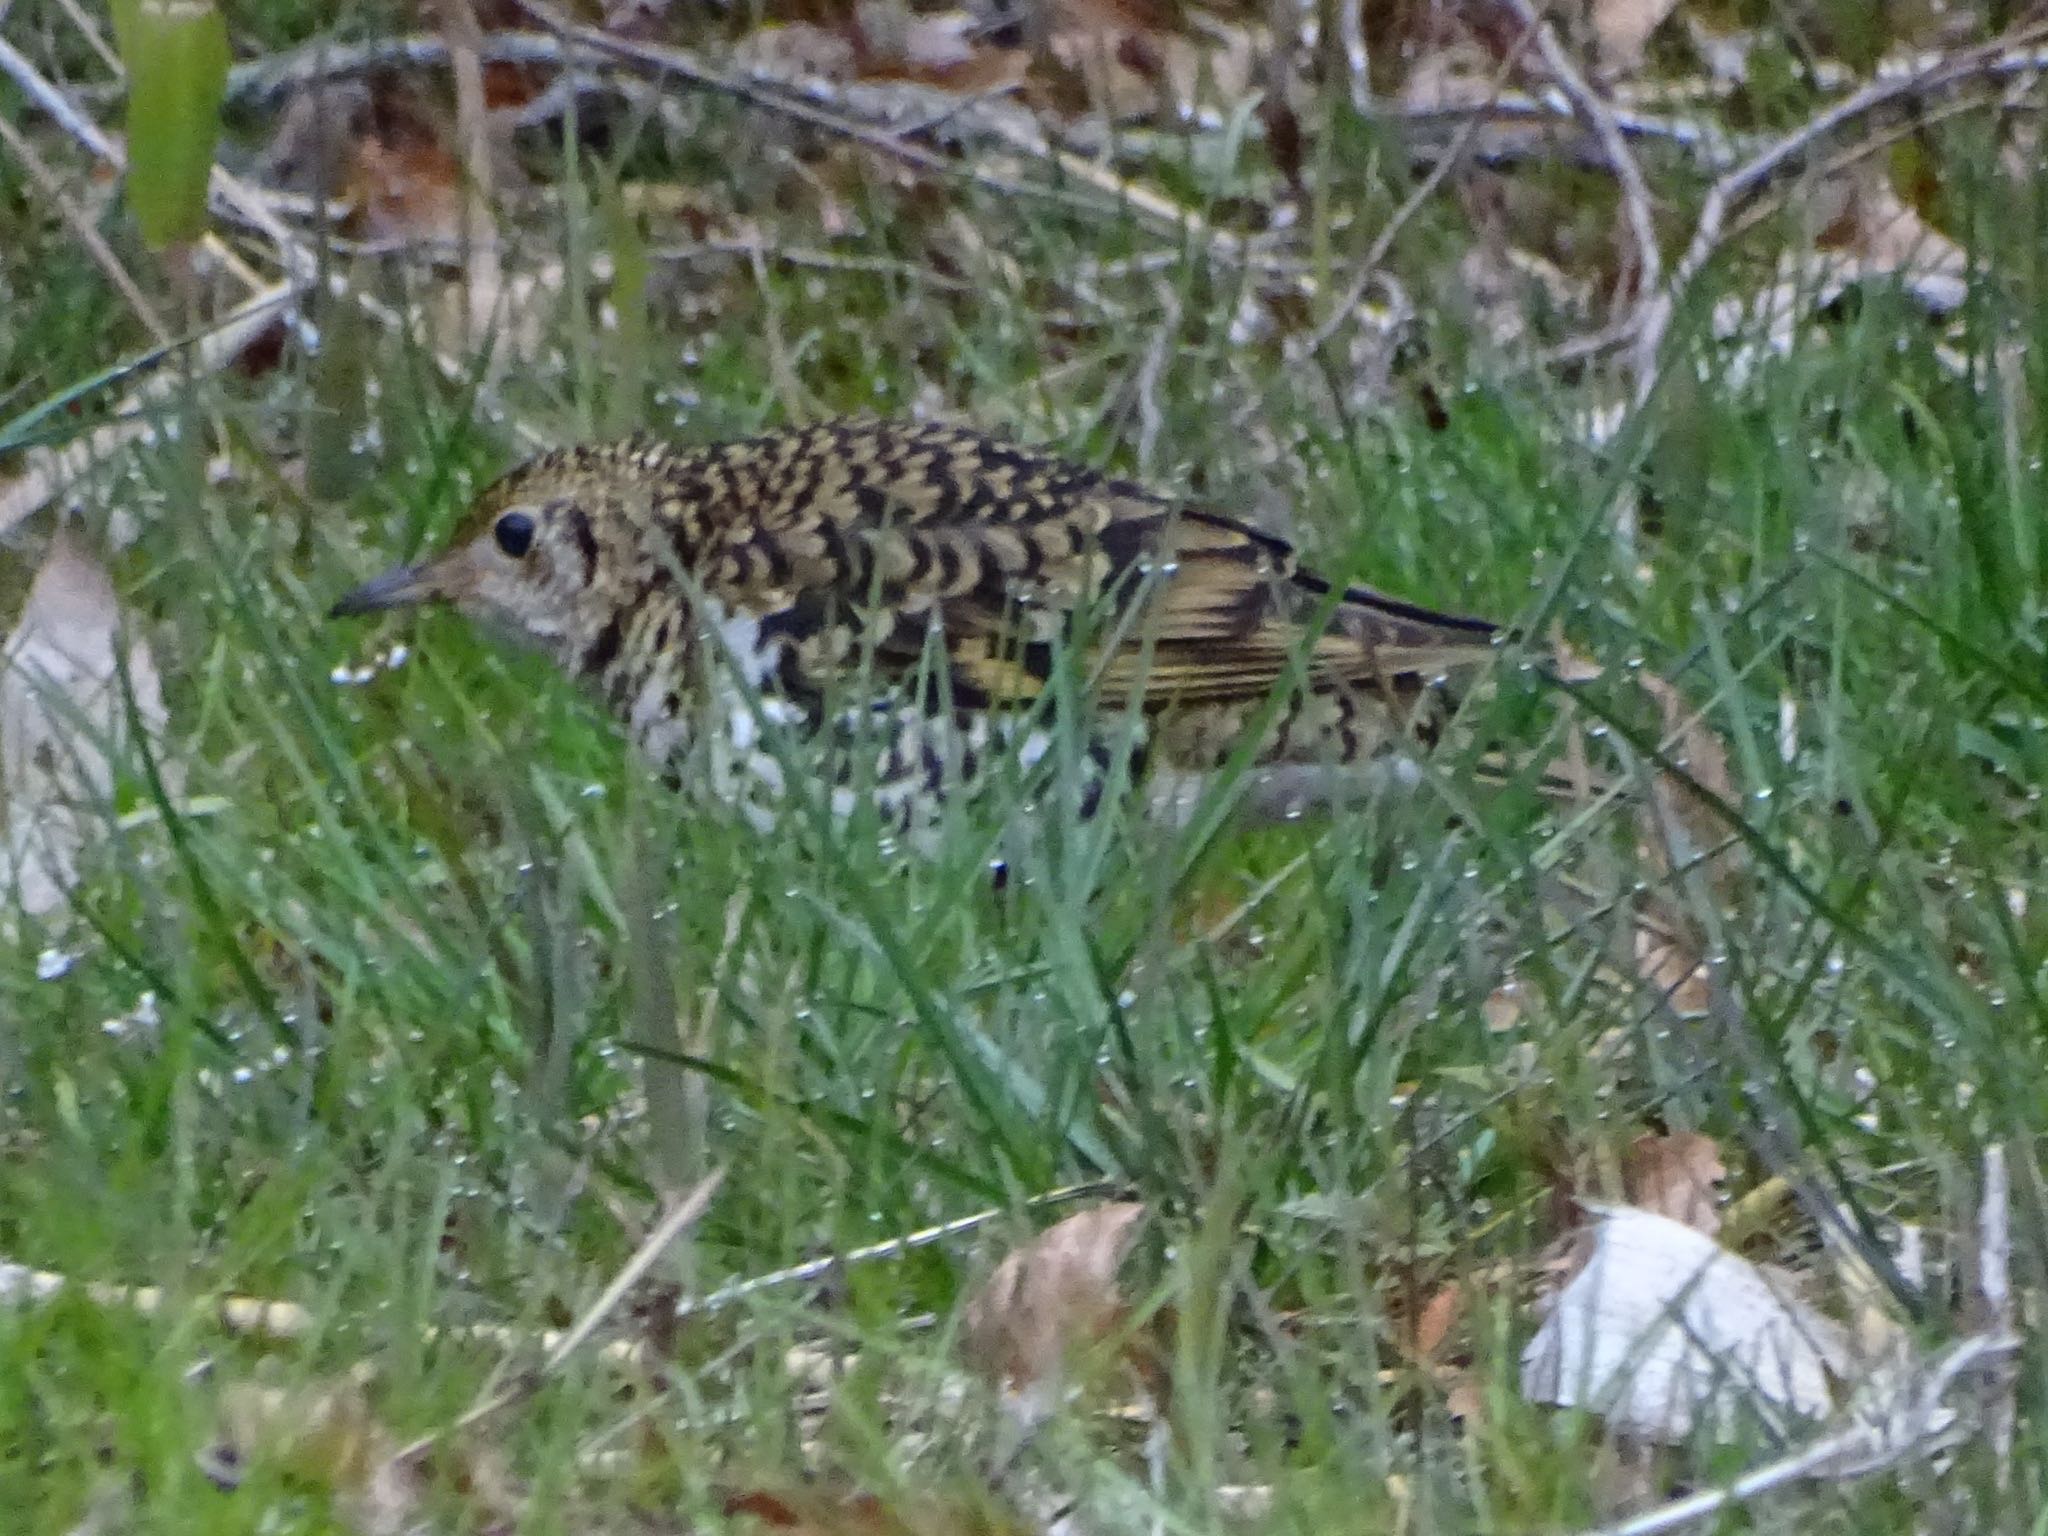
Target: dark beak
[(403, 586)]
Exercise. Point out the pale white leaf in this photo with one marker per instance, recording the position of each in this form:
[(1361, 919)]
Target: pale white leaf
[(1664, 1331), (63, 722), (1623, 28)]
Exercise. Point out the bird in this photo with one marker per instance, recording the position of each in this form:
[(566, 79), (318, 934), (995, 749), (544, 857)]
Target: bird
[(908, 594)]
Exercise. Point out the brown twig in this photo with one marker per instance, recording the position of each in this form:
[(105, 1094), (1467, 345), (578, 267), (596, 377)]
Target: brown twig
[(45, 471), (483, 279)]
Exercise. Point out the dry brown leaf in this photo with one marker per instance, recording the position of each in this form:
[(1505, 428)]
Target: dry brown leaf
[(1623, 28), (1678, 828), (1044, 1306), (326, 1434), (1670, 966), (1886, 235), (1691, 743), (405, 190), (1677, 1174), (1863, 231), (825, 1510), (1502, 1009), (797, 51), (1433, 1322), (1570, 664), (312, 151), (939, 49), (1132, 62), (64, 723)]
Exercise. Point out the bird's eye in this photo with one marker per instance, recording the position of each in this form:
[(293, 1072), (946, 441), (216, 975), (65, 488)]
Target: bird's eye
[(514, 533)]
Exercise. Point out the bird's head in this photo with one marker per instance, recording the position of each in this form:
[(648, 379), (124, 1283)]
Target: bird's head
[(533, 559)]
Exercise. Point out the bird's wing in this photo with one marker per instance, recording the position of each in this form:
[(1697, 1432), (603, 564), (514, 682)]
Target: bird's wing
[(1165, 604)]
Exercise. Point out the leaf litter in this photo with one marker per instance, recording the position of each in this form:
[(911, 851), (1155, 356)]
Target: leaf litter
[(73, 669)]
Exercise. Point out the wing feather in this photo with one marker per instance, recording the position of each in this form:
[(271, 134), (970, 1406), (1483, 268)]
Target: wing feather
[(1172, 604)]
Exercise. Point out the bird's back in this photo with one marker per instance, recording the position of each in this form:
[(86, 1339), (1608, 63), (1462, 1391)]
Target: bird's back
[(874, 538)]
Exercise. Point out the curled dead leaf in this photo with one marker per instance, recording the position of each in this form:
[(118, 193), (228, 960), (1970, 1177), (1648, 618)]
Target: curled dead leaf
[(1433, 1322), (1674, 971), (1028, 1329), (326, 1434), (1623, 28), (64, 724)]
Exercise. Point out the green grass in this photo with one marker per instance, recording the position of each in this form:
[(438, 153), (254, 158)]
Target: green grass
[(398, 965)]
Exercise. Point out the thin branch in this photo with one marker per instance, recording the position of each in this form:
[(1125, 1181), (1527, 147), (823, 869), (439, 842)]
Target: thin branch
[(1994, 1293), (1913, 1424), (483, 279), (1598, 118), (84, 230), (679, 1219), (46, 471), (2014, 55), (687, 67)]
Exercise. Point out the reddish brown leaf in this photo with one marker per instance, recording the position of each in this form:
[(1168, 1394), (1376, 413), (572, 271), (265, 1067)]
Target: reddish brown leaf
[(828, 1510), (405, 190), (1046, 1304), (1433, 1322), (1679, 1175)]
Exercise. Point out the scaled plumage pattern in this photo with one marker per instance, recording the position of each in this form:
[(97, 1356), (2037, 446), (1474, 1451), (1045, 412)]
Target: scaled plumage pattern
[(912, 589)]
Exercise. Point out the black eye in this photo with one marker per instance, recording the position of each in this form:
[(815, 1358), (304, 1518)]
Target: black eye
[(514, 533)]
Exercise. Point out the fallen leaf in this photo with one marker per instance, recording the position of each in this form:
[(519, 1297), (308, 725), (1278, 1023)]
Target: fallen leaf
[(1131, 62), (327, 1435), (63, 722), (1677, 830), (797, 51), (1688, 738), (1032, 1322), (406, 190), (1623, 28), (1673, 970), (1887, 235), (1433, 1323), (1677, 1174), (1663, 1331), (313, 148), (891, 42), (1864, 232), (822, 1509), (1568, 662), (1502, 1009)]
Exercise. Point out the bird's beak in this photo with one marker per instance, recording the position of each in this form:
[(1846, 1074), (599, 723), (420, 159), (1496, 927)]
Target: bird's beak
[(403, 586)]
